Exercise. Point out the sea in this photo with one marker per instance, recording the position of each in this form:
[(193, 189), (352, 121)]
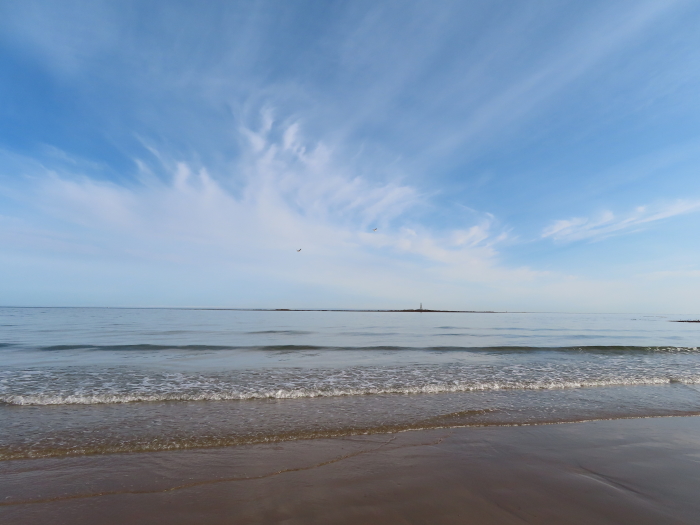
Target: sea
[(77, 381)]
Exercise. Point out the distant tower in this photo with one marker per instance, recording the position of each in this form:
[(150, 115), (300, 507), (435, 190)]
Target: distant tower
[(421, 306)]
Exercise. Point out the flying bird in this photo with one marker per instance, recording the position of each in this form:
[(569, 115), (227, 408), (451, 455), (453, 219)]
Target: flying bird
[(374, 230), (299, 250)]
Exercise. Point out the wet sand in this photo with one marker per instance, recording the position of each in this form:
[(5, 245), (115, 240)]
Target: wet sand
[(641, 471)]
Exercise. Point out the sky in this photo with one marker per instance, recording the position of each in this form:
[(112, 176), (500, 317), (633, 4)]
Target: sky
[(519, 156)]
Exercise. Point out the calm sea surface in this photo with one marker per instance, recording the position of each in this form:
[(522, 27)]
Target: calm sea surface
[(92, 380)]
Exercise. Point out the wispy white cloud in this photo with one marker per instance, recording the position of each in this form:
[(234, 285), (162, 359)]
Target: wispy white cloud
[(607, 223), (296, 194), (488, 112)]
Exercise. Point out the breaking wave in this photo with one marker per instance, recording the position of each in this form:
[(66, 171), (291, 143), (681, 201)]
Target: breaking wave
[(179, 388)]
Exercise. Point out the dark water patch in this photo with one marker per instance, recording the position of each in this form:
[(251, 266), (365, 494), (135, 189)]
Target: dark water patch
[(135, 347), (367, 334), (282, 332), (582, 349), (579, 349)]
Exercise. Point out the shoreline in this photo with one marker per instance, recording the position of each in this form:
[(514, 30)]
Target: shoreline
[(640, 470), (55, 431)]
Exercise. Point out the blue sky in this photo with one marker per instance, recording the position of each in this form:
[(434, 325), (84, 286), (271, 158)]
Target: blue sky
[(537, 156)]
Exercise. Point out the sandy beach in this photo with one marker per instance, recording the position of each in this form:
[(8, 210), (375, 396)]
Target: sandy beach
[(619, 471)]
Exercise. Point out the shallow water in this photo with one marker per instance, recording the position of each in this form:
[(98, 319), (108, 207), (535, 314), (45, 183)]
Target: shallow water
[(91, 380)]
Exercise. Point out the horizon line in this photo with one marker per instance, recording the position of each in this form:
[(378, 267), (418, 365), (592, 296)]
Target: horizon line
[(358, 310)]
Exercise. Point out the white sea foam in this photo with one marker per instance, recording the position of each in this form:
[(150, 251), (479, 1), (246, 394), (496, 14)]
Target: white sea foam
[(103, 382), (297, 393)]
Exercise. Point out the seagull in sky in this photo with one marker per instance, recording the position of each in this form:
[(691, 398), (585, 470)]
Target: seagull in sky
[(299, 250), (374, 230)]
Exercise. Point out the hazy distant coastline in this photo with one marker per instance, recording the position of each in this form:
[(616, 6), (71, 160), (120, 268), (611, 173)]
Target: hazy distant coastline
[(419, 310)]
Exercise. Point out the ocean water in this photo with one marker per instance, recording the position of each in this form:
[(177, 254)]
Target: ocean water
[(95, 380)]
